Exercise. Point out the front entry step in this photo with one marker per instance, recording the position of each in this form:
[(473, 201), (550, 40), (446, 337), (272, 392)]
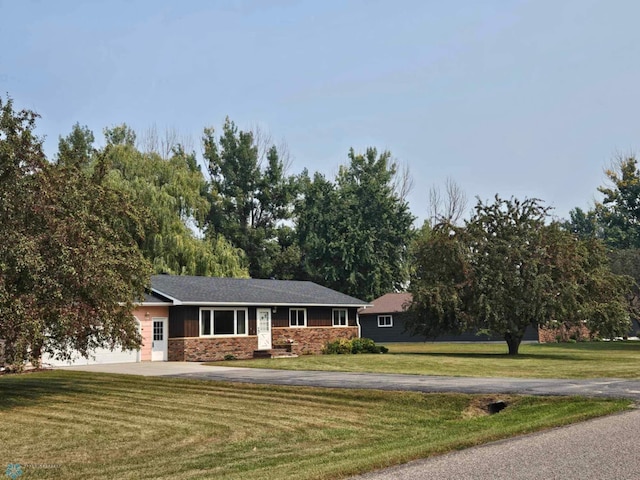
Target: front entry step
[(273, 353)]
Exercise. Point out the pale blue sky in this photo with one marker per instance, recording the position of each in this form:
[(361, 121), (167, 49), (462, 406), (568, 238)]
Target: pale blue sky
[(524, 98)]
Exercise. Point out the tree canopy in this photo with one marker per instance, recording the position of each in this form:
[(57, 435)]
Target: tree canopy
[(354, 233), (85, 231), (173, 194), (250, 197), (70, 267), (616, 218), (507, 269)]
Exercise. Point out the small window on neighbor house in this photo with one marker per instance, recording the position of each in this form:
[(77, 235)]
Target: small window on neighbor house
[(340, 318), (385, 321), (297, 317)]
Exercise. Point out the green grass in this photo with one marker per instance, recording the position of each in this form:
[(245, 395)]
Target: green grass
[(118, 426), (557, 360)]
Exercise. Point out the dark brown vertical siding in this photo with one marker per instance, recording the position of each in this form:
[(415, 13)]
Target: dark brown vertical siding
[(183, 321), (191, 326), (281, 317), (352, 317), (251, 313), (319, 316), (176, 325)]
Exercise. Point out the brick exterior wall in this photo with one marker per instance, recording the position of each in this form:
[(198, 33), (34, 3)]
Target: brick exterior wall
[(309, 341), (198, 349), (552, 335)]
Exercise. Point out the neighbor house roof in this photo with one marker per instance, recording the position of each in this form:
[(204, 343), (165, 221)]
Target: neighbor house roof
[(191, 290), (388, 303)]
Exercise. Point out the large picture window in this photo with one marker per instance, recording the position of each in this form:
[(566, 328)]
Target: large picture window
[(340, 317), (297, 317), (222, 321)]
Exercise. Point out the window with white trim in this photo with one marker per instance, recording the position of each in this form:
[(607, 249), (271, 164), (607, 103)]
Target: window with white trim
[(223, 321), (385, 321), (297, 317), (340, 317)]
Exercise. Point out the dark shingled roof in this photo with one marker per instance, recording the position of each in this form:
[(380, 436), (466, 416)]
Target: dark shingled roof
[(149, 297), (214, 290)]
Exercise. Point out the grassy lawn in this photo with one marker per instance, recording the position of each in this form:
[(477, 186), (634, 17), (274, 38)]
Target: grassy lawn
[(557, 360), (116, 426)]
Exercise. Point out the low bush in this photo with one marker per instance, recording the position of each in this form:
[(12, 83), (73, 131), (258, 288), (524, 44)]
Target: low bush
[(337, 347), (356, 345)]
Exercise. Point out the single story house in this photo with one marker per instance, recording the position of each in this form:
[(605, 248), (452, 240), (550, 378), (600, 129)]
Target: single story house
[(385, 323), (197, 319)]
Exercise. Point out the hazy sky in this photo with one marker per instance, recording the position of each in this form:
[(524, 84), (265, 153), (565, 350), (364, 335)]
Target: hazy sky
[(524, 98)]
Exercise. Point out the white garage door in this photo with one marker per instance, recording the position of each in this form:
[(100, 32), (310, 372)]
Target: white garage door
[(101, 355)]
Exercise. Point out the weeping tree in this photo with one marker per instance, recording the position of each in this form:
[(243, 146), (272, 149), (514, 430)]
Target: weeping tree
[(172, 191), (507, 269)]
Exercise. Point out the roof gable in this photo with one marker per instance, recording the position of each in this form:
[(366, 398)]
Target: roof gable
[(247, 291), (388, 303)]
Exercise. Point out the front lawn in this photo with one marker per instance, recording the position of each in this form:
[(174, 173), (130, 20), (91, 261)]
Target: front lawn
[(555, 360), (76, 425)]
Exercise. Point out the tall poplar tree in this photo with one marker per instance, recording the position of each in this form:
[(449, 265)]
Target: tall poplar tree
[(250, 197)]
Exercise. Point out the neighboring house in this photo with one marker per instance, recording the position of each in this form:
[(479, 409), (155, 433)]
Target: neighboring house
[(187, 318), (385, 323)]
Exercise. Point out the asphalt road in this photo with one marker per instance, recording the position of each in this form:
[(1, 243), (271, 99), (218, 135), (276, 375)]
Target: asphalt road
[(602, 449)]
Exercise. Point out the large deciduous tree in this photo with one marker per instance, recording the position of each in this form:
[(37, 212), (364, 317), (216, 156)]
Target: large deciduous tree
[(507, 269), (616, 218), (619, 211), (440, 279), (354, 233), (250, 196), (173, 193), (70, 268)]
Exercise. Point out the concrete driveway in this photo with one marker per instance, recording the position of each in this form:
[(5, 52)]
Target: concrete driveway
[(601, 387)]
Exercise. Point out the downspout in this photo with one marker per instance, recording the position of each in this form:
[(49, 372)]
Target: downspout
[(358, 324)]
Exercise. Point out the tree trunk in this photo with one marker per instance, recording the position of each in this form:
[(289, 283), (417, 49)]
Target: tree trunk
[(513, 342)]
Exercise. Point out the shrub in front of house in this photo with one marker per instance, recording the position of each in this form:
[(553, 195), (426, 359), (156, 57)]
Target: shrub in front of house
[(356, 345), (337, 347)]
